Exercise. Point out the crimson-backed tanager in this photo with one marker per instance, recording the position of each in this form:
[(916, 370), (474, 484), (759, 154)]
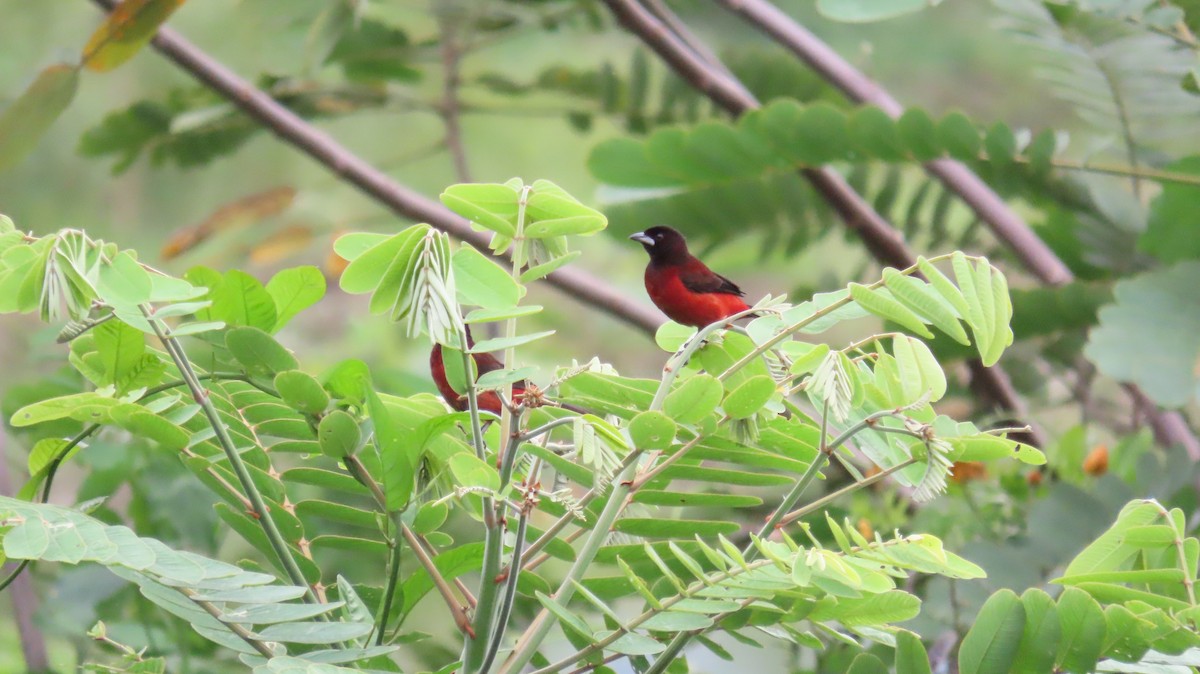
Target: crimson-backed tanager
[(484, 363), (683, 287), (522, 391)]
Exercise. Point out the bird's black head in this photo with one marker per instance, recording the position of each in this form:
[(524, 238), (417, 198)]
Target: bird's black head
[(663, 244)]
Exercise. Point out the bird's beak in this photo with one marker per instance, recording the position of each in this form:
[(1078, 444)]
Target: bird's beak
[(641, 238)]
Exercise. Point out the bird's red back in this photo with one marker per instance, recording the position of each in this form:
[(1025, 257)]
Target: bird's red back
[(669, 292), (484, 363)]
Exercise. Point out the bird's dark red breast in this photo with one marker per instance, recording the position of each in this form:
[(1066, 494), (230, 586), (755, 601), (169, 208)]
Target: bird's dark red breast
[(682, 286), (484, 362)]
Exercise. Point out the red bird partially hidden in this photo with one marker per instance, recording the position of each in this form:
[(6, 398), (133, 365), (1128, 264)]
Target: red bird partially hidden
[(484, 362), (683, 287)]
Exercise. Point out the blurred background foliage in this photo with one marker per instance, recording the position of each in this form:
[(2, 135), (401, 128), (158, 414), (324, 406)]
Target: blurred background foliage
[(147, 157)]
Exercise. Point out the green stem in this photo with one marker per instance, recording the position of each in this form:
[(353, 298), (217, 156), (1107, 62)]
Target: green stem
[(567, 518), (475, 647), (384, 610), (680, 358), (779, 514), (808, 320), (242, 633), (274, 537), (510, 592), (834, 495), (541, 625), (546, 428), (636, 622)]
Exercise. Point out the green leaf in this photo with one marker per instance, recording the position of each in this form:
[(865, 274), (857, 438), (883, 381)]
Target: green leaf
[(920, 373), (864, 11), (749, 397), (367, 270), (27, 118), (125, 31), (546, 268), (121, 348), (634, 644), (266, 614), (865, 663), (470, 471), (350, 246), (990, 647), (1110, 552), (240, 300), (1082, 628), (301, 391), (565, 616), (124, 283), (315, 632), (582, 225), (695, 399), (652, 430), (885, 307), (875, 133), (348, 380), (919, 134), (670, 336), (293, 291), (502, 343), (911, 657), (960, 137), (492, 206), (1039, 641), (874, 609), (258, 352), (663, 528), (681, 499), (1150, 335), (481, 282), (430, 517), (1173, 221), (926, 302), (398, 468)]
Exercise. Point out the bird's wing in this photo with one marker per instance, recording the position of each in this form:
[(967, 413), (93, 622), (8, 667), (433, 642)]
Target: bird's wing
[(486, 362), (708, 281)]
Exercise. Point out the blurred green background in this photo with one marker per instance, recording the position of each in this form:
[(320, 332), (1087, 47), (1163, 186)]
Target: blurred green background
[(948, 57)]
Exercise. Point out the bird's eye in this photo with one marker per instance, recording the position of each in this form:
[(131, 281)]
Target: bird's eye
[(658, 236)]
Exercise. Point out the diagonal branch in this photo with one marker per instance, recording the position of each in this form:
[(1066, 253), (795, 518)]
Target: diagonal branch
[(1169, 427), (583, 286), (884, 241)]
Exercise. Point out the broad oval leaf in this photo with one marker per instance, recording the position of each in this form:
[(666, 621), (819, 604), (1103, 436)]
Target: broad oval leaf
[(990, 647), (652, 430), (694, 399), (749, 397), (338, 435)]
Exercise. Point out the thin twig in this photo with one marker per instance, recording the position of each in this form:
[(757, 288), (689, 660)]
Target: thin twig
[(359, 472), (261, 512), (289, 127), (456, 608), (241, 632), (1169, 427), (449, 18), (883, 241)]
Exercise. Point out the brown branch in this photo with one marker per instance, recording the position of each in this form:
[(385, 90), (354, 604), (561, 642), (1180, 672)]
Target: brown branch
[(884, 242), (1169, 427), (1007, 225), (583, 286), (449, 22), (456, 607)]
